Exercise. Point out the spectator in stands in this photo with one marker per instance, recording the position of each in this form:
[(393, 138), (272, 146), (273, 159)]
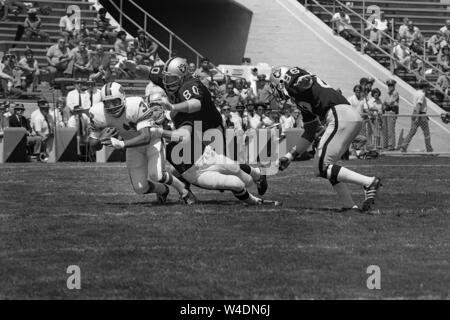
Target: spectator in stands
[(32, 27), (226, 117), (253, 78), (390, 109), (245, 90), (82, 61), (84, 34), (121, 45), (205, 73), (103, 31), (59, 58), (8, 6), (30, 70), (17, 120), (268, 118), (93, 93), (420, 108), (403, 28), (4, 121), (445, 31), (402, 55), (61, 113), (412, 34), (240, 118), (343, 25), (287, 121), (79, 121), (263, 90), (67, 25), (78, 95), (443, 58), (254, 115), (101, 64), (443, 84), (192, 68), (297, 115), (10, 77), (231, 97), (381, 27), (146, 47), (357, 100), (42, 123), (435, 43)]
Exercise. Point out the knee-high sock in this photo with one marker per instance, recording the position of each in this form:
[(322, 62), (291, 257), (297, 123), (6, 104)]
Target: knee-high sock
[(344, 195), (255, 173), (348, 176), (156, 187), (170, 180)]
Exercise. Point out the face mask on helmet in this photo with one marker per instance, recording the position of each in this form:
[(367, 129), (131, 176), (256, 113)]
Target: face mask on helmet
[(279, 92), (114, 107), (171, 82)]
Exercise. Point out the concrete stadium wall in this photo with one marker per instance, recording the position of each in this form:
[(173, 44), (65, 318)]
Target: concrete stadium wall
[(218, 29)]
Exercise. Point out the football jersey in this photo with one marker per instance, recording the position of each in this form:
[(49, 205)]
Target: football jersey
[(134, 118), (316, 100), (208, 114)]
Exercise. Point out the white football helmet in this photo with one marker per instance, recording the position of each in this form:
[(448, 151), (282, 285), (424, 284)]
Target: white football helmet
[(174, 72), (277, 83), (113, 98)]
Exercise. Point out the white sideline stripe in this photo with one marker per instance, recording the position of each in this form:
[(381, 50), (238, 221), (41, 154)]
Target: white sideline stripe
[(347, 57)]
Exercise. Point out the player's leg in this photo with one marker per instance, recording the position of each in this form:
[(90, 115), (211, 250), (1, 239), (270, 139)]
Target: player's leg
[(227, 166), (137, 166), (343, 125), (214, 180), (157, 171)]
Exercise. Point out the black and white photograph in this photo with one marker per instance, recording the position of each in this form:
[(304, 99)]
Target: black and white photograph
[(242, 151)]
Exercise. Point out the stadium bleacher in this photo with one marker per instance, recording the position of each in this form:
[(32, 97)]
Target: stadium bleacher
[(50, 25), (429, 16)]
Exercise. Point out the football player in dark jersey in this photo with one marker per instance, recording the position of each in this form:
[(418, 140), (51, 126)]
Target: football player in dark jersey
[(317, 100), (192, 101), (208, 169)]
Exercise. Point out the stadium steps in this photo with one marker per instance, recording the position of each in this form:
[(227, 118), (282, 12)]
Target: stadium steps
[(283, 32), (428, 16)]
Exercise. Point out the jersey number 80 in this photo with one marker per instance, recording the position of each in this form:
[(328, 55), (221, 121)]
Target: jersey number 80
[(187, 94)]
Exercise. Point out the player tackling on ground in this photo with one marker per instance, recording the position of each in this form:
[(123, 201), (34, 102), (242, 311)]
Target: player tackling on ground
[(317, 101), (191, 102), (135, 122)]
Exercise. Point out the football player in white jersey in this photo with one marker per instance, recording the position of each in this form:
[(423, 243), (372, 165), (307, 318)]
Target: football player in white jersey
[(135, 122)]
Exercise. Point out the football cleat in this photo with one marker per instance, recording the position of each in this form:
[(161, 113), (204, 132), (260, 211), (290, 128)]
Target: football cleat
[(162, 198), (270, 203), (262, 185), (189, 198), (370, 194)]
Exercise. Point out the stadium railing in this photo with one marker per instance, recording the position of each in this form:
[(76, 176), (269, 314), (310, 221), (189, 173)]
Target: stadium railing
[(363, 22)]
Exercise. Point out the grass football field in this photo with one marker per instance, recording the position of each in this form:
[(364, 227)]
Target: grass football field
[(56, 215)]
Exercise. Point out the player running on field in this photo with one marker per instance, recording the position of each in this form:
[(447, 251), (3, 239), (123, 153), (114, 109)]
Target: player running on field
[(134, 121), (317, 101)]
